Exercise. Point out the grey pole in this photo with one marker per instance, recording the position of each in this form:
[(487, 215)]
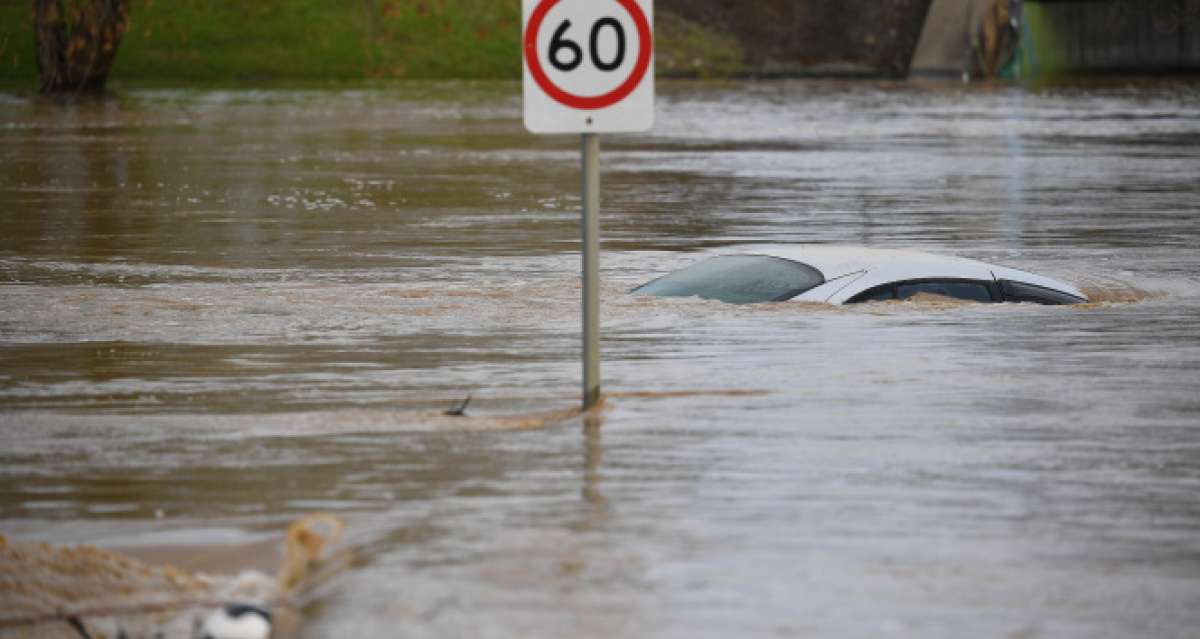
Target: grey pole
[(591, 267)]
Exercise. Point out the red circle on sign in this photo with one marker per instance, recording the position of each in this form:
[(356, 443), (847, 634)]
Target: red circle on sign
[(582, 101)]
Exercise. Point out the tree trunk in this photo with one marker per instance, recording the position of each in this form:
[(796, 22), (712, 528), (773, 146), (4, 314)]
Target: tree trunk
[(76, 42)]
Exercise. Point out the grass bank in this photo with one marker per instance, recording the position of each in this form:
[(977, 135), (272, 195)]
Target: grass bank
[(234, 42)]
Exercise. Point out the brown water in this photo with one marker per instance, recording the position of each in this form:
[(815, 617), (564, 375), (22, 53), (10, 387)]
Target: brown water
[(220, 310)]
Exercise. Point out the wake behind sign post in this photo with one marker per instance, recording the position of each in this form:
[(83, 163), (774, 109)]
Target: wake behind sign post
[(589, 69)]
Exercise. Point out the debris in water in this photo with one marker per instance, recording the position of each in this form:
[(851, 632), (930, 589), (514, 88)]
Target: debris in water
[(71, 592), (460, 410)]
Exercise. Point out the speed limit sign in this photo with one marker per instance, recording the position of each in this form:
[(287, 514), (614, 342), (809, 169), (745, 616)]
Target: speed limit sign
[(589, 69), (589, 65)]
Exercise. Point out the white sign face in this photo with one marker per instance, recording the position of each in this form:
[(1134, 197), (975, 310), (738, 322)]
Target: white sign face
[(589, 65)]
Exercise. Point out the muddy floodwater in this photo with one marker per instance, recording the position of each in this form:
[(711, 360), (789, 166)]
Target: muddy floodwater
[(220, 310)]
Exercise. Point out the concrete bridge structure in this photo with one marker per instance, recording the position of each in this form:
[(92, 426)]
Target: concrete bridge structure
[(1119, 36), (1047, 37)]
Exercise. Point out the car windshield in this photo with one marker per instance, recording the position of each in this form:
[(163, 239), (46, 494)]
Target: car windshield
[(738, 279)]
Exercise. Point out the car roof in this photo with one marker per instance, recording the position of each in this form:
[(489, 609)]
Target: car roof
[(835, 261), (874, 266)]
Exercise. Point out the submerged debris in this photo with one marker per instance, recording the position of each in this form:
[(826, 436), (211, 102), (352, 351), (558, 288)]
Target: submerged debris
[(459, 410), (81, 591)]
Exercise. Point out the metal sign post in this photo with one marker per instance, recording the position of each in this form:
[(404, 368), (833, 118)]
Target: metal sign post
[(589, 69), (591, 269)]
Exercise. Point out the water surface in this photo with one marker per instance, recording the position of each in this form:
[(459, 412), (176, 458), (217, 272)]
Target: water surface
[(220, 310)]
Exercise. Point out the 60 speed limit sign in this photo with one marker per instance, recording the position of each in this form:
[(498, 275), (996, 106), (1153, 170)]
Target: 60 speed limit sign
[(589, 65)]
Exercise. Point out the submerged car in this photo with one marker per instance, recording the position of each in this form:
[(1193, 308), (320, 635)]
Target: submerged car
[(849, 275)]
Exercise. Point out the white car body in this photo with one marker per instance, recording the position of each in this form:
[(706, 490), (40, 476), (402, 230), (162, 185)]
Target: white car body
[(850, 271)]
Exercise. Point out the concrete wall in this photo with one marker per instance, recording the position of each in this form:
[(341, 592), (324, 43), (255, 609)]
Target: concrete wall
[(815, 37), (1111, 35), (1190, 50), (945, 44)]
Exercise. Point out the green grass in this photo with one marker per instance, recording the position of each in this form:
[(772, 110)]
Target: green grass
[(447, 39), (16, 43), (209, 41), (240, 42), (688, 49)]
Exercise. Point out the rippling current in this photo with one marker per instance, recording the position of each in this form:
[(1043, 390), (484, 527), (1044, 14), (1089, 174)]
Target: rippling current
[(220, 310)]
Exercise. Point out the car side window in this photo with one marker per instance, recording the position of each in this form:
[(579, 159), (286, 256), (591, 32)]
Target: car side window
[(877, 294), (956, 289), (971, 290), (1022, 292)]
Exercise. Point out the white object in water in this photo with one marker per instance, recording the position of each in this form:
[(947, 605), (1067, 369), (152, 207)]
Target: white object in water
[(237, 621)]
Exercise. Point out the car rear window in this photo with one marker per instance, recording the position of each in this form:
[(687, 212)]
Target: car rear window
[(738, 279)]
